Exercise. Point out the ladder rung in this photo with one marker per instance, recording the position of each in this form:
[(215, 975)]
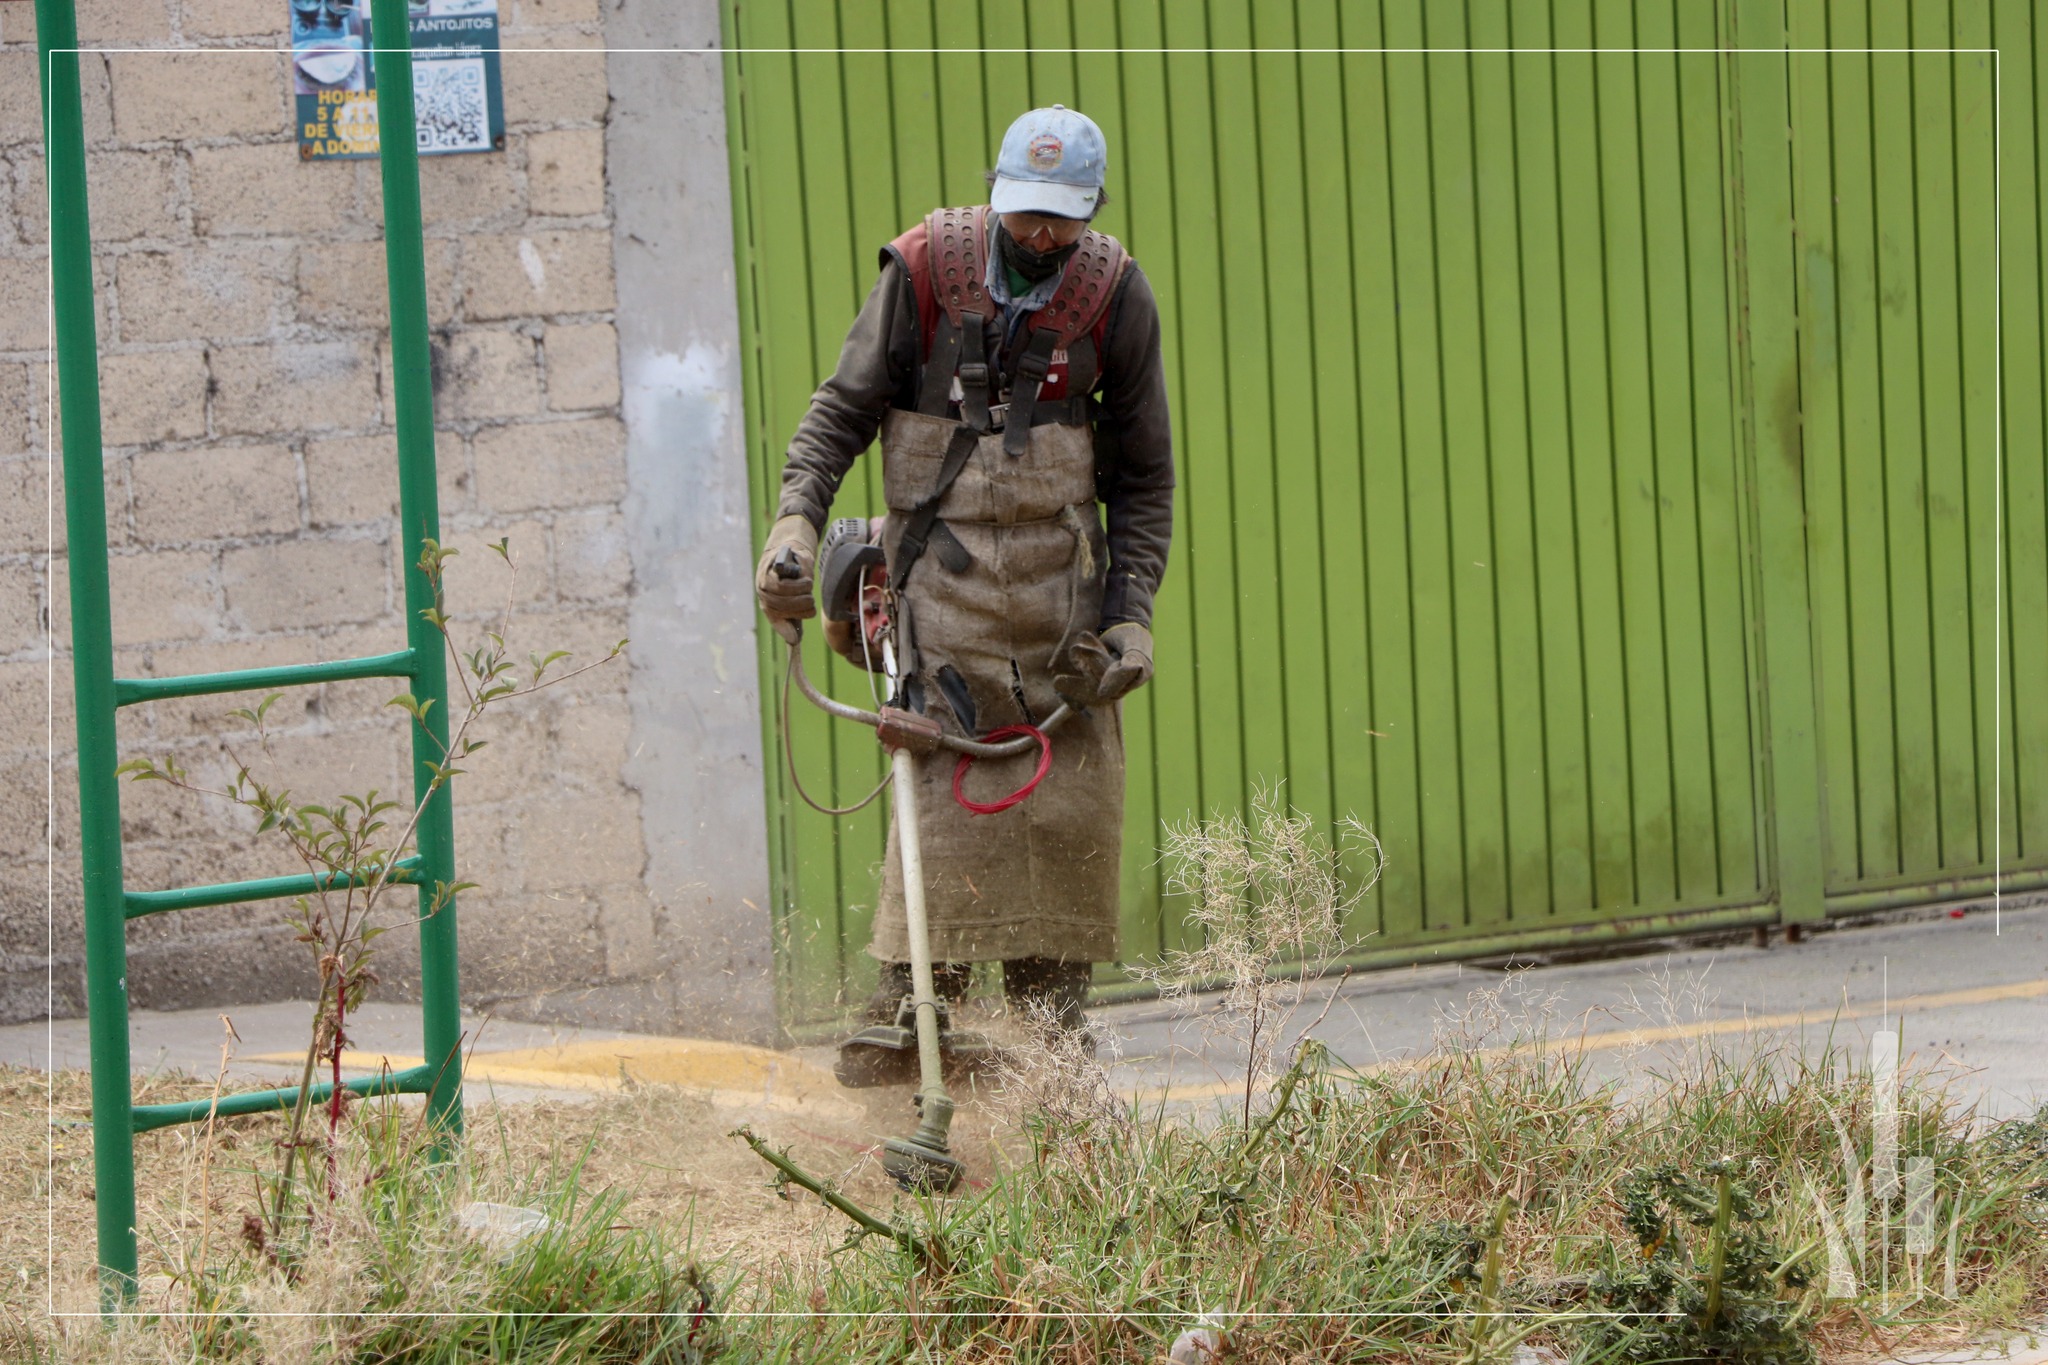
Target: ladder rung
[(136, 904), (416, 1080), (129, 691)]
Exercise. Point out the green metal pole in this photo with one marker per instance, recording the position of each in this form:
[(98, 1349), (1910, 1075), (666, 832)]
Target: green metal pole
[(420, 518), (92, 650)]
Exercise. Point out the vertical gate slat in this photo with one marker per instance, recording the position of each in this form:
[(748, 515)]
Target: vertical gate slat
[(1553, 505), (1721, 528), (1637, 521), (1591, 464), (1510, 548), (1383, 477)]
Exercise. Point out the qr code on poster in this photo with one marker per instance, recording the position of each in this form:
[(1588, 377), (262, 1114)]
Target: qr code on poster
[(454, 114)]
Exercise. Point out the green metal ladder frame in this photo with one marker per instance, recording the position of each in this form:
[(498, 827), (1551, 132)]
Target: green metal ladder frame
[(108, 904)]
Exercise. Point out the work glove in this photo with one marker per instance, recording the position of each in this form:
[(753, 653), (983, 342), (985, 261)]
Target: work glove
[(792, 541), (1101, 669), (1131, 643)]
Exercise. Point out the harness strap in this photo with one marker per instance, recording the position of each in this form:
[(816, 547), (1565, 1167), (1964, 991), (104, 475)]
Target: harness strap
[(917, 527), (1032, 367), (936, 390), (973, 371)]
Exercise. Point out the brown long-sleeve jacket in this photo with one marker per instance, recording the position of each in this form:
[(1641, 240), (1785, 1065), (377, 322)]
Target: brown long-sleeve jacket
[(878, 369)]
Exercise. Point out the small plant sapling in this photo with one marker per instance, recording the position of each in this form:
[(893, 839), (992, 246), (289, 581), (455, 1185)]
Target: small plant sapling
[(359, 846)]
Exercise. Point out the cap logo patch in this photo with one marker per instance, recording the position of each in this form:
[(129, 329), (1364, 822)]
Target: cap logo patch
[(1045, 152)]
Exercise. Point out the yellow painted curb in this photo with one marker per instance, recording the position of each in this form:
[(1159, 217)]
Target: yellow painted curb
[(730, 1075)]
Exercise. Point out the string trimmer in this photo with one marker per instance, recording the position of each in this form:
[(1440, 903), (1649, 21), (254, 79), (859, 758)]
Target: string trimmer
[(855, 589)]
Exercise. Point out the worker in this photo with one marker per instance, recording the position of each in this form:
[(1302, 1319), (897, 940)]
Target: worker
[(1023, 344)]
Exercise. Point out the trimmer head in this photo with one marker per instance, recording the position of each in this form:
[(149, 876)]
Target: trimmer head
[(920, 1169)]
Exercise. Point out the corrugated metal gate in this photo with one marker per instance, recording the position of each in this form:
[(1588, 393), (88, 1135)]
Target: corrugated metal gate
[(1494, 525)]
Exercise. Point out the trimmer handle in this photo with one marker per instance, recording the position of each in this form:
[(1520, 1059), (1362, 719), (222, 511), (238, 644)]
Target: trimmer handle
[(786, 565)]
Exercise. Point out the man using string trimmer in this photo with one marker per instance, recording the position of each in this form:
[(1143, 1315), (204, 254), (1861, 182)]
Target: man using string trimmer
[(1008, 357)]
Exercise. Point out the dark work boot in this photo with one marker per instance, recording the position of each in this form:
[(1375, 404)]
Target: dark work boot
[(1060, 987), (949, 979)]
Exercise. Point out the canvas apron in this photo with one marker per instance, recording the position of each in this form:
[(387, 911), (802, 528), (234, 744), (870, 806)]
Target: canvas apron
[(1039, 879)]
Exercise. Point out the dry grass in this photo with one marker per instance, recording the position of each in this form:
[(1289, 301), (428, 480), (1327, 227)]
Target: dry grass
[(661, 1150)]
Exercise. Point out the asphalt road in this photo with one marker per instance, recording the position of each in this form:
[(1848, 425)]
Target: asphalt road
[(1971, 994)]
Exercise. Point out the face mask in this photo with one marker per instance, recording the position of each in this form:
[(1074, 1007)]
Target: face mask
[(1032, 265)]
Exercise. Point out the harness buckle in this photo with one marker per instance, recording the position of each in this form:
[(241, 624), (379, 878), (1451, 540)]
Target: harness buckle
[(998, 416)]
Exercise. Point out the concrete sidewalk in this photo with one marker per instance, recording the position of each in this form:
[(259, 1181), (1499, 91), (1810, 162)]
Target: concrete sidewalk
[(1970, 992)]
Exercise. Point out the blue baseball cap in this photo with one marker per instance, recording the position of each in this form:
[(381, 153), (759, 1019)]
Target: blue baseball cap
[(1053, 161)]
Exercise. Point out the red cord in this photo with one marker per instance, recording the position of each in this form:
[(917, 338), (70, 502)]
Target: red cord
[(967, 761)]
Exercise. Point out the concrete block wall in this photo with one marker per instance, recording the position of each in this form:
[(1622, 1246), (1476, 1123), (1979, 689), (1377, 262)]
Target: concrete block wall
[(251, 486)]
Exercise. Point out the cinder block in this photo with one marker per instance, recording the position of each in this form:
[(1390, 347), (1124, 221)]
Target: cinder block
[(21, 117), (465, 192), (232, 18), (538, 274), (160, 595), (553, 87), (293, 387), (218, 93), (21, 108), (478, 583), (28, 714), (133, 22), (30, 519), (214, 493), (484, 374), (265, 188), (592, 560), (588, 633), (355, 478), (552, 13), (152, 396), (520, 761), (565, 172), (322, 767), (213, 292), (583, 366), (24, 810), (344, 284), (21, 608), (306, 583), (17, 418), (24, 303), (130, 195), (551, 464), (579, 841)]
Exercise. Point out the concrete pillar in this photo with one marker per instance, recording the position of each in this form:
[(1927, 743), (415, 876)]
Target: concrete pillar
[(696, 713)]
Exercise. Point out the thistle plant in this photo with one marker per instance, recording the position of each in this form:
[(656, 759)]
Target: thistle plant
[(359, 846)]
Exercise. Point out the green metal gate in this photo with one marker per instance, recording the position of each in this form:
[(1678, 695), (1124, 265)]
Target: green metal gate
[(1489, 370)]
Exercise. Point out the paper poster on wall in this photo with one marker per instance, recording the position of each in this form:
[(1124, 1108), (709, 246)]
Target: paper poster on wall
[(458, 91)]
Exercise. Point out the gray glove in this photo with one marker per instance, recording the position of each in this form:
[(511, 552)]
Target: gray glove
[(1131, 643), (1099, 670), (792, 542)]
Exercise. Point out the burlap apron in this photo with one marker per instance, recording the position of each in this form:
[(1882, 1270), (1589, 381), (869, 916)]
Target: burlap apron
[(1039, 879)]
